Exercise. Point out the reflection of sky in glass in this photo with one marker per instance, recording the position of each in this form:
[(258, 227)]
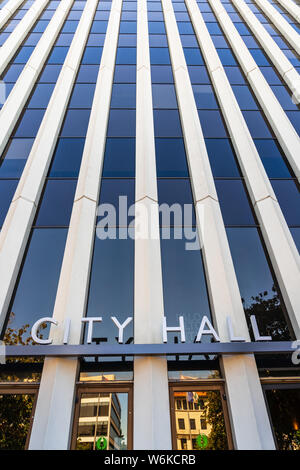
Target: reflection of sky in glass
[(111, 288), (123, 398), (36, 291), (184, 286), (251, 267)]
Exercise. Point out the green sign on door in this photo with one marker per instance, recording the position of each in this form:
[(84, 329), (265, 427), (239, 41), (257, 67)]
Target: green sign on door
[(101, 443)]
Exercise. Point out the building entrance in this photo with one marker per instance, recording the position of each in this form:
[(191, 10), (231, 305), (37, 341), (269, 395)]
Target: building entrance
[(103, 418), (199, 418)]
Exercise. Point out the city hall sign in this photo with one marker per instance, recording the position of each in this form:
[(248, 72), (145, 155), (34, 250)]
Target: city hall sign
[(212, 346)]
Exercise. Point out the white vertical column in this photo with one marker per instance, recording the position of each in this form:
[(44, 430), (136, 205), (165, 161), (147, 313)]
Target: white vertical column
[(277, 118), (152, 422), (8, 10), (50, 430), (250, 426), (273, 51), (289, 33), (18, 35), (278, 239), (291, 7), (18, 96), (17, 225)]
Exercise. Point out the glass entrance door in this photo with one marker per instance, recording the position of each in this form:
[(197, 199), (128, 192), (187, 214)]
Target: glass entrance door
[(103, 419), (199, 418), (283, 401)]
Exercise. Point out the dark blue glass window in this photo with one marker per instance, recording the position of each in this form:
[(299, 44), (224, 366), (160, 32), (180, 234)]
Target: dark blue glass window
[(212, 123), (258, 292), (99, 27), (127, 27), (127, 40), (12, 73), (76, 123), (198, 74), (158, 40), (270, 75), (14, 158), (41, 96), (113, 188), (24, 54), (259, 57), (167, 123), (92, 55), (88, 74), (123, 96), (226, 57), (70, 26), (244, 97), (82, 96), (50, 73), (7, 190), (256, 124), (67, 158), (164, 96), (96, 40), (126, 55), (119, 158), (234, 75), (111, 286), (156, 27), (189, 40), (221, 157), (272, 159), (170, 158), (185, 27), (161, 74), (294, 117), (184, 285), (36, 291), (204, 97), (288, 197), (57, 203), (213, 28), (159, 55), (234, 202), (175, 191), (121, 123), (193, 56), (64, 39), (58, 55), (30, 123), (284, 98), (125, 74)]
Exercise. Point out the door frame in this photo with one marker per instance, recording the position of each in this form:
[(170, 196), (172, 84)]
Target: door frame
[(280, 384), (103, 388), (199, 386), (22, 389)]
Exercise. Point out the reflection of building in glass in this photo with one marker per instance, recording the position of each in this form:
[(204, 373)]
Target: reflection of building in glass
[(191, 419), (100, 416)]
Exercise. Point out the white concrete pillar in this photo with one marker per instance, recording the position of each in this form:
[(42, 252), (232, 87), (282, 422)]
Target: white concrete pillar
[(18, 96), (280, 245), (289, 33), (277, 118), (291, 8), (74, 277), (15, 39), (8, 10), (152, 422), (222, 284), (288, 73)]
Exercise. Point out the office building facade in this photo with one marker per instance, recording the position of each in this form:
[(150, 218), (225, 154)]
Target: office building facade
[(150, 224)]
